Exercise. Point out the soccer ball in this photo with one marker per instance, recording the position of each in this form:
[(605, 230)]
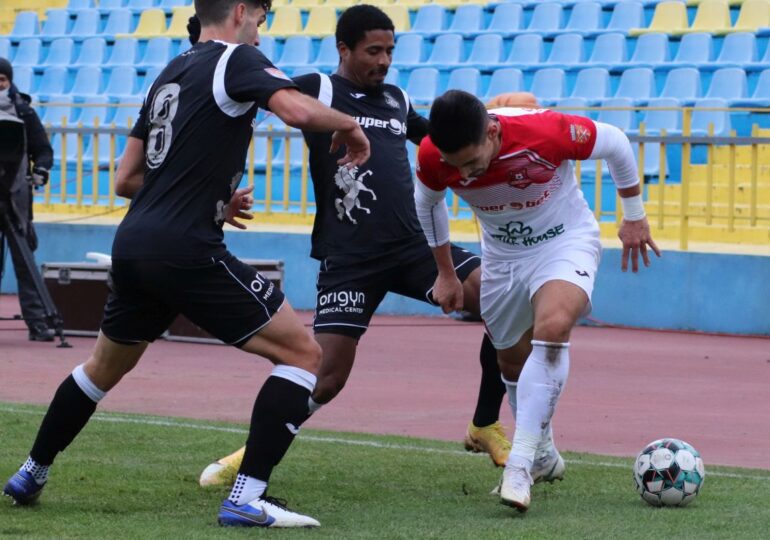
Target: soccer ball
[(668, 472)]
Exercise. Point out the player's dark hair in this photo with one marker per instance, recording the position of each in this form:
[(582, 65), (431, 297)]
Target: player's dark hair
[(457, 119), (356, 21), (216, 11)]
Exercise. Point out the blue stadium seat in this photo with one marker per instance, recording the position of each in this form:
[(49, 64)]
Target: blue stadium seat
[(139, 5), (651, 51), (763, 62), (695, 50), (430, 19), (393, 76), (526, 51), (761, 95), (328, 56), (585, 17), (56, 24), (304, 70), (593, 84), (76, 5), (467, 79), (408, 51), (96, 109), (121, 84), (149, 78), (656, 121), (72, 147), (168, 5), (157, 53), (609, 50), (574, 105), (504, 80), (468, 19), (124, 52), (682, 84), (92, 52), (107, 5), (636, 84), (118, 22), (59, 53), (127, 111), (506, 19), (702, 118), (487, 51), (729, 84), (626, 15), (88, 83), (28, 53), (86, 24), (185, 45), (297, 52), (447, 51), (25, 25), (24, 78), (549, 85), (547, 17), (566, 52), (423, 85), (5, 49), (53, 82), (267, 46), (623, 119), (738, 49)]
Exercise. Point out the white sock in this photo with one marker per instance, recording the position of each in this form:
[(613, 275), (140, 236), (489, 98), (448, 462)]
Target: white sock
[(87, 385), (537, 393), (246, 489), (38, 472), (312, 406)]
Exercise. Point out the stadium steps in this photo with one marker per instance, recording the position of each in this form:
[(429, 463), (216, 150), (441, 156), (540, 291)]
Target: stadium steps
[(720, 193)]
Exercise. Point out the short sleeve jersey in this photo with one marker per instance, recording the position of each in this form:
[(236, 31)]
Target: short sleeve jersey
[(529, 194), (196, 123), (369, 209)]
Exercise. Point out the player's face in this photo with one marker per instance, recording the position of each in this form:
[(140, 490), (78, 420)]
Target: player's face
[(251, 19), (473, 160), (4, 82), (367, 64)]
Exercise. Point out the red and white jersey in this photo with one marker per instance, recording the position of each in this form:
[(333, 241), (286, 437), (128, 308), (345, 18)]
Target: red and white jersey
[(529, 194)]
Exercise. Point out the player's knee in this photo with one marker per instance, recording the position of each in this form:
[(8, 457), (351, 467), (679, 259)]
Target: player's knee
[(327, 388), (554, 327)]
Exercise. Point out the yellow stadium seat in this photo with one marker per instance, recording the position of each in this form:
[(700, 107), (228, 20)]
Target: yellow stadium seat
[(754, 14), (669, 17), (287, 20), (412, 3), (152, 23), (306, 3), (399, 14), (321, 21), (712, 16), (177, 28), (378, 3), (343, 4)]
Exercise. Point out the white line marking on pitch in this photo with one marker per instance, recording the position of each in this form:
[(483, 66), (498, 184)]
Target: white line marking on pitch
[(145, 421)]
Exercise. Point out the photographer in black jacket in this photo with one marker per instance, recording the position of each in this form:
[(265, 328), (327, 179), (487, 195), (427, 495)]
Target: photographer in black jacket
[(33, 171)]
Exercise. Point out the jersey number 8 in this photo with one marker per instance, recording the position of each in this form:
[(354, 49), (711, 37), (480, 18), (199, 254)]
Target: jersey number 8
[(162, 112)]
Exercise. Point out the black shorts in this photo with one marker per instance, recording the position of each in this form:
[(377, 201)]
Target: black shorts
[(351, 288), (222, 295)]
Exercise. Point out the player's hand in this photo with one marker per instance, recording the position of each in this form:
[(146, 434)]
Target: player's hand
[(636, 236), (356, 143), (240, 202), (448, 293)]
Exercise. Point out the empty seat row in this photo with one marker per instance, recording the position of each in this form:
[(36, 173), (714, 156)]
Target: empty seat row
[(712, 16)]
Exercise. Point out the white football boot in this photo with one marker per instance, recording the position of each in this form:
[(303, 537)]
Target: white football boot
[(514, 487)]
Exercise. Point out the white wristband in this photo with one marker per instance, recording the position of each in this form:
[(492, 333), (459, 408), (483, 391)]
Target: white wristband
[(633, 208)]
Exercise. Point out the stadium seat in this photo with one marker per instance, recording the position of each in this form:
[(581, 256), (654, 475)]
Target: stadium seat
[(738, 49), (423, 85), (430, 19), (297, 52), (185, 45), (266, 46), (124, 52), (702, 118), (593, 84), (504, 80), (566, 51), (626, 15), (328, 56), (148, 79), (60, 53), (487, 51), (393, 77), (121, 84), (657, 120), (548, 85), (56, 24), (761, 95), (92, 52), (88, 83), (447, 51), (157, 53), (668, 18), (586, 17), (754, 14), (95, 110), (623, 119), (728, 84), (408, 51), (24, 78), (467, 19), (28, 53), (118, 22), (576, 106), (72, 147), (467, 79), (682, 84), (711, 16), (152, 23), (77, 5), (170, 5), (506, 19), (637, 85), (26, 25), (86, 24), (526, 51), (177, 28), (5, 49), (287, 20), (609, 50), (139, 5), (651, 51), (127, 112), (762, 64), (547, 17), (694, 50), (106, 5), (321, 21), (399, 15), (55, 115), (53, 82), (306, 3)]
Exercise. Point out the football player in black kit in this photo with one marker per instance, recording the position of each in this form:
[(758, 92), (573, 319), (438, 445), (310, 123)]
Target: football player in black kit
[(366, 233), (181, 167)]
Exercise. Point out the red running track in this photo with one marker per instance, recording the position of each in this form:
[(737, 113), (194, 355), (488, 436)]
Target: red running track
[(418, 376)]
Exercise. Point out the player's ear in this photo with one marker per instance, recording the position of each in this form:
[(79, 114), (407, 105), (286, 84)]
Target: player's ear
[(343, 50), (493, 130)]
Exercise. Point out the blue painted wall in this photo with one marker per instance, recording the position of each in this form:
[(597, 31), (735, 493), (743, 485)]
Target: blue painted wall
[(683, 291)]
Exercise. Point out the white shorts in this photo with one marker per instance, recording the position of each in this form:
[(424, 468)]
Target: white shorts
[(507, 287)]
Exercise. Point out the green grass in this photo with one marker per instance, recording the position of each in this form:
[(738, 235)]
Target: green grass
[(136, 477)]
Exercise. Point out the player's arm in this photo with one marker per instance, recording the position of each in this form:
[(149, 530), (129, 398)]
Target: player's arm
[(416, 126), (613, 146), (130, 175)]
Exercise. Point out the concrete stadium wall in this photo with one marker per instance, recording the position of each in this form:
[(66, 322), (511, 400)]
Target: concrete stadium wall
[(681, 291)]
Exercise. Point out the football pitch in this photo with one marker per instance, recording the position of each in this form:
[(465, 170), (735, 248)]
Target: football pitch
[(131, 476)]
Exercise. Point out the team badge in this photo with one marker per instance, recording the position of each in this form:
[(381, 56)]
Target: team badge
[(579, 133), (277, 73), (391, 101)]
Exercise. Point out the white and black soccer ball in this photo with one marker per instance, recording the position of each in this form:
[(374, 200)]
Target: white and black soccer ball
[(669, 472)]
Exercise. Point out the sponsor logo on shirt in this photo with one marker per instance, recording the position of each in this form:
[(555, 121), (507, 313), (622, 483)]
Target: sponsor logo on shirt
[(357, 95), (277, 73), (391, 101), (516, 233), (579, 133), (515, 205), (352, 185), (395, 126), (341, 302)]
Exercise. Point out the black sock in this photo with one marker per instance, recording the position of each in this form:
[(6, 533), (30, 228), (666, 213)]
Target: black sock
[(68, 413), (279, 411), (491, 389)]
